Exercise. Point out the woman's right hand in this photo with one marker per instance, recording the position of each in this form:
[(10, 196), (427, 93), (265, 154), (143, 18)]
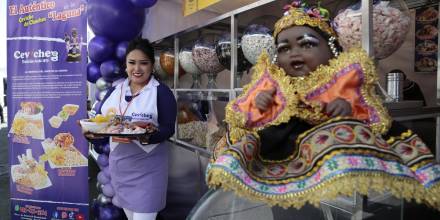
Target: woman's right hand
[(264, 99)]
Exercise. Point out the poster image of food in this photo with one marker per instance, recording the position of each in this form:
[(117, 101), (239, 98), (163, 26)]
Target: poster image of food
[(426, 39), (30, 172), (28, 122), (61, 152), (47, 95)]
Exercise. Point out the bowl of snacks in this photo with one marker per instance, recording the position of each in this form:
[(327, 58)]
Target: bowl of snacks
[(96, 124)]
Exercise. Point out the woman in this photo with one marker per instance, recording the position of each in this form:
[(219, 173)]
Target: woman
[(311, 128), (139, 168)]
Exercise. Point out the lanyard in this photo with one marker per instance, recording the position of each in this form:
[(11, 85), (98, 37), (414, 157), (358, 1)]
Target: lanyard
[(128, 104)]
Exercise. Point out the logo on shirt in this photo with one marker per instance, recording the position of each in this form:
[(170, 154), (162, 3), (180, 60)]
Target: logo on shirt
[(141, 115)]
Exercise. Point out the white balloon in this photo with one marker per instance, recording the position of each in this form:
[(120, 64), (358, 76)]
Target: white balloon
[(101, 84)]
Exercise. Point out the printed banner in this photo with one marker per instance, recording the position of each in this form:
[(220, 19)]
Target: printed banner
[(426, 40), (46, 48)]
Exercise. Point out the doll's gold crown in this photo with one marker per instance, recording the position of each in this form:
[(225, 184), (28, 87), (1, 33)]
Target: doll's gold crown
[(297, 15)]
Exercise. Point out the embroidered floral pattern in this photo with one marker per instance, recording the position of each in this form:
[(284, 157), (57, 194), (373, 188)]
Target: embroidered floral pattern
[(333, 161)]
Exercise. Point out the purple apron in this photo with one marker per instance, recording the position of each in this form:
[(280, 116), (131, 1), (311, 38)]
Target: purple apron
[(139, 178)]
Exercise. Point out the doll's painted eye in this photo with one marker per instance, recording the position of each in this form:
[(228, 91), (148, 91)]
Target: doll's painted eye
[(283, 48)]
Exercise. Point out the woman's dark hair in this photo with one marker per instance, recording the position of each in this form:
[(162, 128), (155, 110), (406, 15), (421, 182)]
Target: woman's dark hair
[(143, 45)]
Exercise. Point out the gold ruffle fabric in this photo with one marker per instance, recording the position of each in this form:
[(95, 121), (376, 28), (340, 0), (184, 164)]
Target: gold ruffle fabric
[(302, 97), (240, 112), (297, 17), (335, 158)]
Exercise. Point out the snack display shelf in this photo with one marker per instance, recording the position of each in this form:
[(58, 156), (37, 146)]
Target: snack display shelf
[(355, 206)]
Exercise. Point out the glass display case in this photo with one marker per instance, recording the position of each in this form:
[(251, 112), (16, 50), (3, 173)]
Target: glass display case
[(207, 65)]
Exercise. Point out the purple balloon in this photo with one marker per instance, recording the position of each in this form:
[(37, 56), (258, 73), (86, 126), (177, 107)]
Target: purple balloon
[(121, 49), (110, 212), (98, 148), (111, 70), (107, 190), (118, 20), (102, 141), (143, 3), (102, 160), (93, 72), (106, 149), (103, 178), (106, 171), (100, 49)]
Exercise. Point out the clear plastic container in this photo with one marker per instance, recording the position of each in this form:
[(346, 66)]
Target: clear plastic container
[(206, 60), (187, 63), (204, 55), (257, 38), (167, 63), (391, 22), (223, 50)]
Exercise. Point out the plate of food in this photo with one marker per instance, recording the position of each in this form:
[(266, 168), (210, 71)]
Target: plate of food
[(120, 128), (426, 64), (61, 153), (428, 15), (29, 172), (427, 32), (427, 47), (105, 126)]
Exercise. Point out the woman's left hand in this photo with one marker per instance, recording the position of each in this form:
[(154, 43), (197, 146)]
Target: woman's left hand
[(338, 107)]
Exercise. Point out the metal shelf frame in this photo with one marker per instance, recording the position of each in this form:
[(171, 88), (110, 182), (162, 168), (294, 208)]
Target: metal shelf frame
[(367, 43)]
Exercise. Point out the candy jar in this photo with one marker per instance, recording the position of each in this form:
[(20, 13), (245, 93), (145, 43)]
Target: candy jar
[(167, 63), (187, 63), (158, 68), (206, 60), (223, 50), (391, 22), (257, 38)]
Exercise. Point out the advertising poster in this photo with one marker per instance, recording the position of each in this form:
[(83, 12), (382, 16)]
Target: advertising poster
[(426, 40), (46, 78)]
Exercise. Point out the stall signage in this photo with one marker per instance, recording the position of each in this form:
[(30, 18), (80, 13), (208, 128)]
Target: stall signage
[(192, 6), (46, 76)]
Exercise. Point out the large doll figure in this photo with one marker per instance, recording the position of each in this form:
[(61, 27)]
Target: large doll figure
[(309, 126)]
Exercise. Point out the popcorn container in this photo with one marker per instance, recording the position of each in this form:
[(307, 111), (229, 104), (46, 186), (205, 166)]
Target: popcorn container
[(205, 58), (187, 63), (255, 40), (391, 23)]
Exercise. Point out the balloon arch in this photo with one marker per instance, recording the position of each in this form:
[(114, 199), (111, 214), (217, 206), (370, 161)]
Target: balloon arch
[(107, 53)]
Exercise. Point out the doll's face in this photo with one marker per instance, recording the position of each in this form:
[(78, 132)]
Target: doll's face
[(139, 67), (301, 50)]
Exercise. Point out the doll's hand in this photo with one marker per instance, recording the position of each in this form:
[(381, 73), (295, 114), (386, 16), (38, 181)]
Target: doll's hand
[(264, 99), (338, 107)]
